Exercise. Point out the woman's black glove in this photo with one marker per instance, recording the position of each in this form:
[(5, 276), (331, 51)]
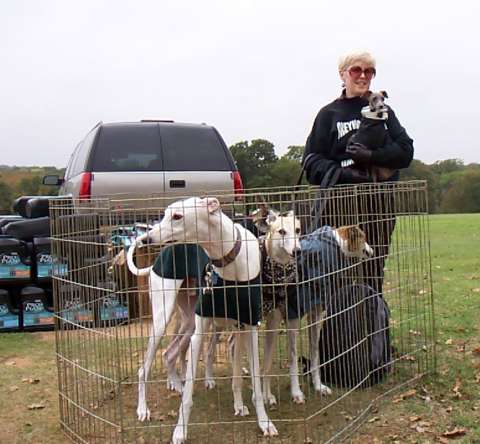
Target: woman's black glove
[(359, 153), (352, 175)]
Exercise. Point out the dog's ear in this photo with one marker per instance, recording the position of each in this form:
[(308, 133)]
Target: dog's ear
[(259, 218), (213, 204), (272, 216), (384, 94)]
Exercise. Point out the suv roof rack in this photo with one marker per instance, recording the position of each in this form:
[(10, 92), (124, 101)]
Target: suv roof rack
[(157, 120)]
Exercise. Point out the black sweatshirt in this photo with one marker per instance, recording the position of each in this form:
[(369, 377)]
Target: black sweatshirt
[(333, 127)]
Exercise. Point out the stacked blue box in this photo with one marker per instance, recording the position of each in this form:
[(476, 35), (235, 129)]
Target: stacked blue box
[(9, 315), (36, 311)]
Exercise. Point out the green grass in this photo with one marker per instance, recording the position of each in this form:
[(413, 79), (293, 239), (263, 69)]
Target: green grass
[(455, 246), (455, 252)]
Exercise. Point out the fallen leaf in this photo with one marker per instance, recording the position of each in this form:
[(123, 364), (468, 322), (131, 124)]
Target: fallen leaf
[(419, 429), (476, 350), (477, 378), (476, 290), (36, 406), (375, 418), (456, 388), (424, 424), (10, 363), (415, 418), (449, 409), (172, 414), (422, 292), (406, 395), (454, 433), (449, 341), (13, 388)]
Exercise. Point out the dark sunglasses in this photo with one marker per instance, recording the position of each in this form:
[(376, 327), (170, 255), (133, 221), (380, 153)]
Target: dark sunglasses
[(356, 72)]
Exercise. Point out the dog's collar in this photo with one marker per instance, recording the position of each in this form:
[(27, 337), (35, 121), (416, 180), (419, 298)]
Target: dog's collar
[(375, 115), (231, 255)]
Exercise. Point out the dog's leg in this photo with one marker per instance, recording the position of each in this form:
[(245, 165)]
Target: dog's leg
[(163, 294), (267, 426), (293, 328), (202, 325), (273, 322), (186, 300), (315, 320), (240, 408), (209, 378)]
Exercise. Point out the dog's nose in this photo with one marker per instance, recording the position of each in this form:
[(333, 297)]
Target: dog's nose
[(367, 251), (296, 251)]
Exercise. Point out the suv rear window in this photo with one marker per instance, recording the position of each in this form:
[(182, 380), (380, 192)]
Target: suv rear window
[(192, 149), (128, 148)]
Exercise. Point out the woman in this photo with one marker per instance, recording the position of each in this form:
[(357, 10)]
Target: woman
[(331, 158), (327, 158)]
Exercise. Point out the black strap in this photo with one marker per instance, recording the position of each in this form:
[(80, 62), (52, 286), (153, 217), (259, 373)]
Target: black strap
[(329, 180)]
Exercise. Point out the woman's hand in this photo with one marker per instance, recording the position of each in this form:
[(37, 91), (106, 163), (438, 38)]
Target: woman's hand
[(359, 153)]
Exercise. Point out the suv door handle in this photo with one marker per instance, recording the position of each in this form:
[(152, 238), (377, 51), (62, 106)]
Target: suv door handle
[(177, 184)]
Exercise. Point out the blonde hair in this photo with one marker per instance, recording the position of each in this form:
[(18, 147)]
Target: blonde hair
[(349, 59)]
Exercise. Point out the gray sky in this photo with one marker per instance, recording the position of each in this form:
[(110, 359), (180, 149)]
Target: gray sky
[(253, 69)]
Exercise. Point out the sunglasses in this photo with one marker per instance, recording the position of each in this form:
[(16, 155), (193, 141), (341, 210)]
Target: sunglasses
[(356, 72)]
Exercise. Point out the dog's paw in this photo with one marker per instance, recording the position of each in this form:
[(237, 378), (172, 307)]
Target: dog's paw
[(241, 410), (271, 400), (323, 390), (268, 428), (210, 383), (179, 435), (143, 414), (298, 397), (175, 385)]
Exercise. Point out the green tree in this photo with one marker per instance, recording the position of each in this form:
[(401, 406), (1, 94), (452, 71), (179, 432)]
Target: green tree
[(294, 152), (6, 198), (254, 161), (463, 193)]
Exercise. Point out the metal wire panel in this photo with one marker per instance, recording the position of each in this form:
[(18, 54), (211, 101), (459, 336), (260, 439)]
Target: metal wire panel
[(104, 318)]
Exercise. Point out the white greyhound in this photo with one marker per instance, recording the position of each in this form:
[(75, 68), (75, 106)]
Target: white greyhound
[(235, 255), (280, 247)]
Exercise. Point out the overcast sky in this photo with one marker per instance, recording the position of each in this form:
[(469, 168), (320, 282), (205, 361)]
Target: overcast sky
[(253, 69)]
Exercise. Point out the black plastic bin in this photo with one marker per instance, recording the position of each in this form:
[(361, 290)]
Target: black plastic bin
[(37, 311), (9, 313), (15, 262)]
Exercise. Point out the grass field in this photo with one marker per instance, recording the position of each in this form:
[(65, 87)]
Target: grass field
[(442, 408)]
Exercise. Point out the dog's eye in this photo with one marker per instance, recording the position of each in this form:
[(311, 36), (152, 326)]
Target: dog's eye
[(177, 216), (297, 231), (282, 232)]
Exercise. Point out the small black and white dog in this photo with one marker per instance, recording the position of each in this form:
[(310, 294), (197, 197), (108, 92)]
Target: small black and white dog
[(373, 132)]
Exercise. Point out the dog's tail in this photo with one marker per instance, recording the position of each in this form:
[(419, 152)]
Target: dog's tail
[(131, 265)]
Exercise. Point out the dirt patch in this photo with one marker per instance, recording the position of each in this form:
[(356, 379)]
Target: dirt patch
[(16, 361)]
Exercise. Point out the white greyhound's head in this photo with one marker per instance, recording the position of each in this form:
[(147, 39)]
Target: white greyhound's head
[(282, 233), (190, 220), (353, 242)]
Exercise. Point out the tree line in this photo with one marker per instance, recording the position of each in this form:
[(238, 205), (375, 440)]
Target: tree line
[(453, 187)]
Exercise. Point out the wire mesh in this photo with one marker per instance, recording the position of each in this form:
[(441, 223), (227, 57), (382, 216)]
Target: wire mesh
[(105, 321)]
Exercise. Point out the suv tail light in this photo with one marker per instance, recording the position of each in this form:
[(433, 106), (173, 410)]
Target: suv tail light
[(237, 185), (85, 191)]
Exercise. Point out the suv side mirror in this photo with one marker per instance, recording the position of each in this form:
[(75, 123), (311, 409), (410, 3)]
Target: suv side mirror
[(52, 180)]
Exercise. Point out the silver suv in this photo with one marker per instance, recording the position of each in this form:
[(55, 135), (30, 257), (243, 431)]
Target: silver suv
[(146, 158)]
